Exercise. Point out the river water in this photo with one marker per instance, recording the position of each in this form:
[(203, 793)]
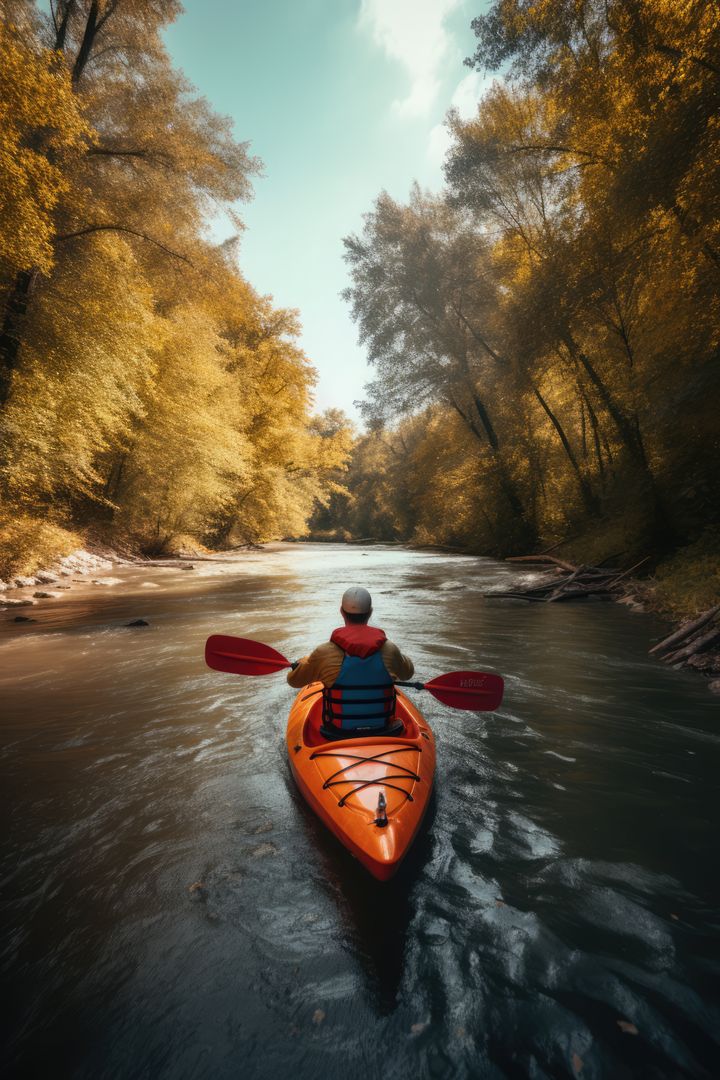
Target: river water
[(172, 909)]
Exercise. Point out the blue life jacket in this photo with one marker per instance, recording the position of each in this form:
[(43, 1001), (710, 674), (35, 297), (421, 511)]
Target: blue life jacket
[(362, 698)]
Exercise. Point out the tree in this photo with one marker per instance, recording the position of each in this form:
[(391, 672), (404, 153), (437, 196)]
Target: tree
[(146, 390), (425, 301)]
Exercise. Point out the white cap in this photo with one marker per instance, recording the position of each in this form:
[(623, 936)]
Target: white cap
[(357, 601)]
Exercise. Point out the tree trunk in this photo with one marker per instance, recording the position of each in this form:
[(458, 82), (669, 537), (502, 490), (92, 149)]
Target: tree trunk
[(65, 11), (88, 40), (627, 427), (487, 435), (586, 404), (588, 496), (15, 311)]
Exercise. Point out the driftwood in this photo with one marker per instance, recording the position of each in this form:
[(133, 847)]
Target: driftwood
[(685, 631), (697, 645), (541, 559), (562, 581), (555, 594)]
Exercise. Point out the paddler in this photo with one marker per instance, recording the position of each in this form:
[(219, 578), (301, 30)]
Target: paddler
[(357, 667)]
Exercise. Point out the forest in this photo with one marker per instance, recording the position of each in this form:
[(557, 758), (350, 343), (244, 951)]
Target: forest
[(543, 331), (149, 396)]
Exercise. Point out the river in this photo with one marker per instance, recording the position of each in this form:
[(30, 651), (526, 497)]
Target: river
[(171, 909)]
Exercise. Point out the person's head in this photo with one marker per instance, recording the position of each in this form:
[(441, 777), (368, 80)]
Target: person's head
[(356, 605)]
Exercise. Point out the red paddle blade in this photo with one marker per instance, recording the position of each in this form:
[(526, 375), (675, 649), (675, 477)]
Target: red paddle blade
[(242, 656), (475, 690)]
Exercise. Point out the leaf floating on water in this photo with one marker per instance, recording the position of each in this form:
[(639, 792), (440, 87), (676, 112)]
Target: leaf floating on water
[(318, 1017), (263, 827), (198, 890), (627, 1027), (261, 851), (577, 1064)]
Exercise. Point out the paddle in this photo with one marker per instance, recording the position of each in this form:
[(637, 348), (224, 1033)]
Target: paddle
[(242, 656), (475, 690)]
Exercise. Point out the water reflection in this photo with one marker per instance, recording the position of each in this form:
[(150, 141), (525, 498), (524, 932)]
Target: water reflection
[(175, 910)]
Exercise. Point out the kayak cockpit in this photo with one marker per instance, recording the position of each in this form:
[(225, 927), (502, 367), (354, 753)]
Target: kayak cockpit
[(402, 727)]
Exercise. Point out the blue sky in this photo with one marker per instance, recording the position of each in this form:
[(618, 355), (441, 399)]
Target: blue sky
[(340, 99)]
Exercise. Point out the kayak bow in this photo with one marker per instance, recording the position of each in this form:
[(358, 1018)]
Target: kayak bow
[(371, 792)]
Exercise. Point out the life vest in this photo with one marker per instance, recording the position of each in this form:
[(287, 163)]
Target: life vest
[(362, 698)]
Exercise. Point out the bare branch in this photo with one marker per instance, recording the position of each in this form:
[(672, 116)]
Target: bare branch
[(551, 149), (678, 54), (141, 152), (108, 12), (89, 229)]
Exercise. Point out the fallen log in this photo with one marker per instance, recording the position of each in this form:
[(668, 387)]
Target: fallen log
[(697, 645), (570, 582), (517, 596), (685, 631), (564, 584), (579, 594), (542, 559)]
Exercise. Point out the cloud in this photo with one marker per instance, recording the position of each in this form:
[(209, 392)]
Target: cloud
[(413, 33), (466, 96)]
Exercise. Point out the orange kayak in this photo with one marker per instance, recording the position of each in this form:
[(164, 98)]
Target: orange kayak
[(371, 792)]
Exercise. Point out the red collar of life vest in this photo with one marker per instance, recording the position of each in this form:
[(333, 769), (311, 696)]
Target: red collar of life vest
[(359, 639)]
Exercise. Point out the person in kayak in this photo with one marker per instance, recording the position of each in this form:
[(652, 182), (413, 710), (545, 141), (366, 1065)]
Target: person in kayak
[(357, 667)]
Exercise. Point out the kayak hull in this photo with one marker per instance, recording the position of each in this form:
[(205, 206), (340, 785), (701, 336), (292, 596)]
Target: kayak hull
[(342, 779)]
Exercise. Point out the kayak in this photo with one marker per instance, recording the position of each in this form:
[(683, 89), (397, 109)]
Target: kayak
[(371, 792)]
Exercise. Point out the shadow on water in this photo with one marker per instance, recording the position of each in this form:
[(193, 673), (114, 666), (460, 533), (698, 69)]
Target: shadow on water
[(375, 915)]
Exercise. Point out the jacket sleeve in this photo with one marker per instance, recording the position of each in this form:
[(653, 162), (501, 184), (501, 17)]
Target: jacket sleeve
[(322, 665), (304, 673), (399, 666)]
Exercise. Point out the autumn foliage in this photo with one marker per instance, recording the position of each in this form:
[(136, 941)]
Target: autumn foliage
[(146, 390), (545, 330)]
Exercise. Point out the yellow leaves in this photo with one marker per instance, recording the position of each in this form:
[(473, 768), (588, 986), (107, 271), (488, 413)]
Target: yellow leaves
[(86, 366), (40, 128), (164, 389), (190, 449)]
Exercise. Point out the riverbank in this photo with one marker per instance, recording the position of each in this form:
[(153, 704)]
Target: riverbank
[(83, 570), (681, 590)]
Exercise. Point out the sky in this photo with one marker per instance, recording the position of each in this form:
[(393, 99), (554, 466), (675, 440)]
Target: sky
[(340, 99)]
